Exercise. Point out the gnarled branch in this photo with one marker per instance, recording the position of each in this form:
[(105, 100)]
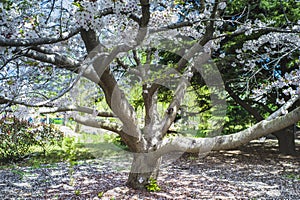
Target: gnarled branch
[(55, 59), (203, 145), (110, 126), (38, 41), (77, 108)]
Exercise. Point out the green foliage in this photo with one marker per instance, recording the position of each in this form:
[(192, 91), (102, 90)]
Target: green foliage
[(100, 194), (281, 10), (101, 145), (293, 176), (178, 2), (18, 136), (70, 152), (237, 119), (77, 192), (107, 138), (266, 9), (115, 139), (165, 95), (78, 5), (41, 143), (203, 97), (118, 141), (70, 149), (56, 121), (7, 4), (201, 133), (167, 57), (152, 185), (281, 14), (20, 173), (136, 98)]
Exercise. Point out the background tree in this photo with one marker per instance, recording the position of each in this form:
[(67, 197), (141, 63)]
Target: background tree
[(48, 46), (274, 57)]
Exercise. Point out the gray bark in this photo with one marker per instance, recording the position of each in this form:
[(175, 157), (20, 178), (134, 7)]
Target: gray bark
[(144, 166), (286, 141), (202, 145), (286, 138)]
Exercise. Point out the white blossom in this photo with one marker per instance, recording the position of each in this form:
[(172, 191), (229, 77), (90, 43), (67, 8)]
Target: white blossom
[(222, 5)]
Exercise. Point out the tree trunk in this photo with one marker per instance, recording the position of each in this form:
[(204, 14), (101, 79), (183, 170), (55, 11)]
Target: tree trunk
[(143, 167), (77, 128), (286, 141)]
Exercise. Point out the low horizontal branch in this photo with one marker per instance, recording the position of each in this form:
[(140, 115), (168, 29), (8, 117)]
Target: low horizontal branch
[(203, 145), (77, 108), (37, 41), (87, 121), (56, 59)]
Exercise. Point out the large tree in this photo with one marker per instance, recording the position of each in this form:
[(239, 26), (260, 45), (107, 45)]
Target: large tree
[(48, 46)]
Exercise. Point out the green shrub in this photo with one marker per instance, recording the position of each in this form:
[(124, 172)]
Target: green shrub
[(70, 149), (119, 142), (17, 136), (152, 185), (116, 140), (100, 194), (201, 133)]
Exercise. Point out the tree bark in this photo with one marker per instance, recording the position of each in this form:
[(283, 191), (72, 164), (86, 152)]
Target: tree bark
[(144, 166), (77, 128), (286, 141), (203, 145), (285, 137)]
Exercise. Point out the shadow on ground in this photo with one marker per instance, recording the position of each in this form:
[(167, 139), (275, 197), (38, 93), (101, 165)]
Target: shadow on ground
[(253, 171)]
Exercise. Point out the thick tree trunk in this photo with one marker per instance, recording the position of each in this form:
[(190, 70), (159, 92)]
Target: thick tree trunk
[(286, 141), (138, 180), (143, 167)]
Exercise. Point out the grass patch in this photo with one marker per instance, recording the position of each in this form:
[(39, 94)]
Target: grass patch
[(72, 150), (102, 145), (293, 176), (69, 151)]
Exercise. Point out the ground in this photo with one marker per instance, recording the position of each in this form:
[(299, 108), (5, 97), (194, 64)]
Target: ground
[(253, 171)]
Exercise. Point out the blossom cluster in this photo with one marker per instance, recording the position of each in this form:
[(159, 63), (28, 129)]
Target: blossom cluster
[(116, 23), (289, 84), (271, 47)]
